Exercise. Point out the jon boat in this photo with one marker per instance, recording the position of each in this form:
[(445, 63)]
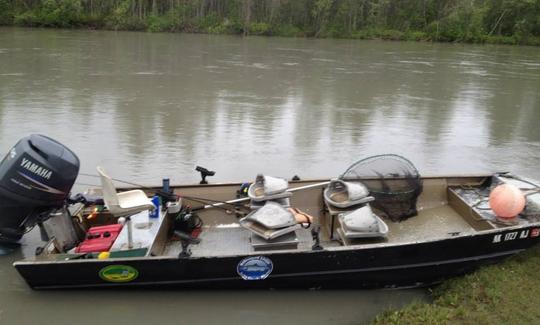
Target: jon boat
[(379, 224)]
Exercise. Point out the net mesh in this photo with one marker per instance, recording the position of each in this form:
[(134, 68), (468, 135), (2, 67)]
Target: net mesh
[(392, 180)]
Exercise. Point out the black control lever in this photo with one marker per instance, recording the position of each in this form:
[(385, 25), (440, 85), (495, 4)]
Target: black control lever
[(204, 172)]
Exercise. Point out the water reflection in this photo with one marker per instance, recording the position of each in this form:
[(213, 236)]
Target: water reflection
[(156, 105)]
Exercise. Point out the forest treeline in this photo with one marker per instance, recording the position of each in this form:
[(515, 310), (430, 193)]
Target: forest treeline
[(479, 21)]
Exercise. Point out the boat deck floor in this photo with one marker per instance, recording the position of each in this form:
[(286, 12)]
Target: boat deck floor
[(438, 222), (231, 239)]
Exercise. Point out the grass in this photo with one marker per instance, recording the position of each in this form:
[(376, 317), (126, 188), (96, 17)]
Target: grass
[(506, 293)]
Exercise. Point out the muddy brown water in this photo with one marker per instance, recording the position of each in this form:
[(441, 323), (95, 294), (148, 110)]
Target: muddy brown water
[(147, 106)]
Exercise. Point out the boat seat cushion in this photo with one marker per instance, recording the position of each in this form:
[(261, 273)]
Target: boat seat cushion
[(266, 233), (270, 221), (343, 194), (273, 216), (268, 188), (362, 222)]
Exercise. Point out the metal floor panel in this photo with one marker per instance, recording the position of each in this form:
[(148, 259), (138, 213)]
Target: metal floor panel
[(231, 240), (429, 224)]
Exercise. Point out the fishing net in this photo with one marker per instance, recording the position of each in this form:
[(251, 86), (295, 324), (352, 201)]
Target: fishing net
[(392, 180)]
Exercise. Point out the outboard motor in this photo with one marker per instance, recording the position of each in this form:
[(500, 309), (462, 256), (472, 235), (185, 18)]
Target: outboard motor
[(36, 177)]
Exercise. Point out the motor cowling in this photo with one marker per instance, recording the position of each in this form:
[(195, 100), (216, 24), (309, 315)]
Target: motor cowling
[(36, 176)]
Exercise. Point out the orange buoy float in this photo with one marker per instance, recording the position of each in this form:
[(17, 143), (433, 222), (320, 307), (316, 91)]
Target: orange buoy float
[(507, 201)]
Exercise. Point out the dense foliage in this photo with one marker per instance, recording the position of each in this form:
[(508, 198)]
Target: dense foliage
[(509, 21)]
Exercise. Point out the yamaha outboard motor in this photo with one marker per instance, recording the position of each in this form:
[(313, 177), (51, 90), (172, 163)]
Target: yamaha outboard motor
[(36, 177)]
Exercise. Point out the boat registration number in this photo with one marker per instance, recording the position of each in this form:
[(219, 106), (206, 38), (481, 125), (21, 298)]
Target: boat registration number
[(523, 234)]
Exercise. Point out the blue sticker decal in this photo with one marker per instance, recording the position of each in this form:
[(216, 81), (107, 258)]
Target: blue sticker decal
[(255, 268)]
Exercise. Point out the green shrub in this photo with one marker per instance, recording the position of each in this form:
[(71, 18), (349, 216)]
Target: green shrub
[(52, 13), (217, 29), (416, 36), (126, 23), (288, 30), (390, 34), (28, 18), (60, 13), (335, 31), (211, 24), (259, 29), (533, 40), (464, 24), (6, 13), (121, 19), (446, 31), (161, 23), (233, 26), (361, 34), (499, 39), (92, 21)]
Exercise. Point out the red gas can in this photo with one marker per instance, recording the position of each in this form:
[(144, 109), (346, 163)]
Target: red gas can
[(99, 239)]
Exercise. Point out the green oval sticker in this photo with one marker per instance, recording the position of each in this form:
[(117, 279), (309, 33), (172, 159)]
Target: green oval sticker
[(118, 273)]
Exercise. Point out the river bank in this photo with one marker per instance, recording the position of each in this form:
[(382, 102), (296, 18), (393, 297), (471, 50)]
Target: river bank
[(510, 22), (498, 294)]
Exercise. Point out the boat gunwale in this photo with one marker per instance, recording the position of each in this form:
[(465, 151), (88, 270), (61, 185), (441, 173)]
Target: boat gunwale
[(314, 180), (275, 252)]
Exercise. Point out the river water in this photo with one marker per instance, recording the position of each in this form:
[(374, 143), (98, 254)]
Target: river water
[(147, 106)]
